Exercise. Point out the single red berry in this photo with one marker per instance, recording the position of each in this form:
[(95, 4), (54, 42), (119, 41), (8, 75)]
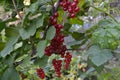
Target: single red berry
[(68, 3), (51, 18), (76, 1), (73, 5), (70, 10), (60, 26), (48, 51), (72, 15), (61, 3), (64, 4), (65, 9), (54, 21), (55, 14), (77, 9)]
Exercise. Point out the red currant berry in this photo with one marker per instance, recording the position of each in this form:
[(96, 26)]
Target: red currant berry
[(55, 14), (64, 4), (65, 9), (72, 15), (70, 10), (54, 21), (76, 1), (61, 3), (76, 9), (73, 5), (60, 26)]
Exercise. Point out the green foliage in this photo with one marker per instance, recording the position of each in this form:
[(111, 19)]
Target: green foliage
[(99, 56), (42, 62), (41, 48), (2, 25), (110, 75), (13, 36), (107, 34), (22, 45), (30, 30), (78, 36), (10, 74), (76, 21)]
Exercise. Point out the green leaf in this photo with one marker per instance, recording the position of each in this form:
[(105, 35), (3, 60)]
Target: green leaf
[(8, 60), (25, 33), (2, 45), (26, 61), (13, 36), (41, 2), (106, 37), (51, 33), (105, 23), (61, 15), (38, 22), (10, 74), (33, 8), (2, 25), (42, 62), (41, 48), (99, 56), (81, 2), (78, 36), (7, 50), (67, 26), (76, 21), (97, 68)]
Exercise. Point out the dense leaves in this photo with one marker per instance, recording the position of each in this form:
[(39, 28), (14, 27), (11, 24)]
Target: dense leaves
[(107, 36), (10, 74), (56, 28)]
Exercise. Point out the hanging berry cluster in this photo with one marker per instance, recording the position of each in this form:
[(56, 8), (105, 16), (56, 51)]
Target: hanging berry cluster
[(56, 46), (71, 7), (41, 73), (57, 66)]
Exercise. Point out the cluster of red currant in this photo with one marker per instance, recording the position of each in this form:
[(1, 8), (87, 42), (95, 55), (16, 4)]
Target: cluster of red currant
[(57, 46), (41, 73), (57, 66), (67, 60), (71, 7)]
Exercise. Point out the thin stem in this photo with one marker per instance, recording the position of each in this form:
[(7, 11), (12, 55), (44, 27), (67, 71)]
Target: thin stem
[(104, 12), (16, 9), (55, 8), (33, 52)]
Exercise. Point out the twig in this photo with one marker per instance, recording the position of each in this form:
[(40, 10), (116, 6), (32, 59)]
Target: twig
[(16, 9), (54, 10)]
